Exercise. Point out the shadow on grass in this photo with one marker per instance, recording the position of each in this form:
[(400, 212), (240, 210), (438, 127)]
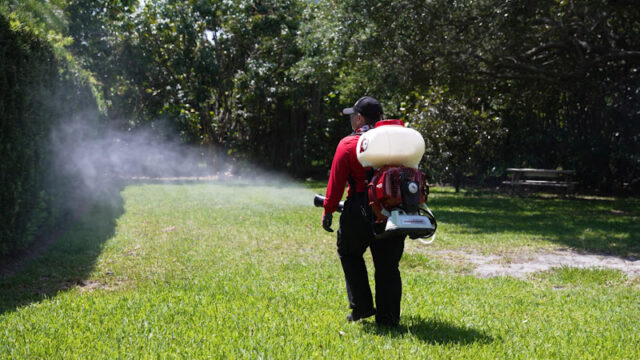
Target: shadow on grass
[(602, 226), (431, 331), (67, 262)]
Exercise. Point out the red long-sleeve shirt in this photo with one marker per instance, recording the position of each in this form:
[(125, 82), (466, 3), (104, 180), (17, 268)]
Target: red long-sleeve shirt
[(345, 164)]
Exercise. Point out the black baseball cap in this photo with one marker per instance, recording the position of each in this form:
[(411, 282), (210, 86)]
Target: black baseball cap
[(366, 106)]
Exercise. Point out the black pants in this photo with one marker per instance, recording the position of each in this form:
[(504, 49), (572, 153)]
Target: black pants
[(354, 236)]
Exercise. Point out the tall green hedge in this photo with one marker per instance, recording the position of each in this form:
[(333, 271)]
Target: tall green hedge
[(37, 93)]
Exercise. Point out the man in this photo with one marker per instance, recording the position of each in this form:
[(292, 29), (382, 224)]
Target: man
[(356, 231)]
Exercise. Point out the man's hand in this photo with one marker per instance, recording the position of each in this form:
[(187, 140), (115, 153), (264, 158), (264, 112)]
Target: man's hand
[(326, 221)]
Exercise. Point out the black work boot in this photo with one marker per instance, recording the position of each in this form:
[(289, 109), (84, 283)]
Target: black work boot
[(387, 321), (355, 316)]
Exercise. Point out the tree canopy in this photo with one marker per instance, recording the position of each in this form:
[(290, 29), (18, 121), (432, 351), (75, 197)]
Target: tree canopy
[(491, 84)]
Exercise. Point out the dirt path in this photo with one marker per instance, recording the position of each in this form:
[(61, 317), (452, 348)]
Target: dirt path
[(522, 264), (13, 263), (9, 265)]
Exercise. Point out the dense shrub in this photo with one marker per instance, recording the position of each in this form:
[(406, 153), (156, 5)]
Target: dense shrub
[(460, 141), (36, 94)]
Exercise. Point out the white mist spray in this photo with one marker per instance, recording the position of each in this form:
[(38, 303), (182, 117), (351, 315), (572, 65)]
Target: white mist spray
[(105, 158)]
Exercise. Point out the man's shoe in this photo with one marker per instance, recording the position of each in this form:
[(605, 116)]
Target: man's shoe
[(387, 321), (354, 316), (387, 324)]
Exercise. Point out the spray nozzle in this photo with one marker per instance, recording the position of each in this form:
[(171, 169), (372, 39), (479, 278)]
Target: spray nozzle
[(318, 201)]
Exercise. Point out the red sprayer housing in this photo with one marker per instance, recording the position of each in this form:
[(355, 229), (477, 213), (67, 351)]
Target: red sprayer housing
[(385, 190)]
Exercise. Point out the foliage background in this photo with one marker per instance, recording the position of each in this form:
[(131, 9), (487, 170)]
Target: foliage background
[(550, 84)]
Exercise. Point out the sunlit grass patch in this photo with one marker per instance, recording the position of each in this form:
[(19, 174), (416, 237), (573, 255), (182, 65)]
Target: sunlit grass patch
[(565, 276), (494, 221)]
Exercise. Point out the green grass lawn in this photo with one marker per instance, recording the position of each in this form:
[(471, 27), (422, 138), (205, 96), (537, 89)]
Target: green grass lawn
[(215, 270)]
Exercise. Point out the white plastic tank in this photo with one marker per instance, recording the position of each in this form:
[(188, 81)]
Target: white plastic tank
[(390, 145)]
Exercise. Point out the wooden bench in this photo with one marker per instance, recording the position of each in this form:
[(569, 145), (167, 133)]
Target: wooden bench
[(540, 177)]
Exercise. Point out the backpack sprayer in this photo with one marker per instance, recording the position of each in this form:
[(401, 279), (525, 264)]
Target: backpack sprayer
[(398, 191)]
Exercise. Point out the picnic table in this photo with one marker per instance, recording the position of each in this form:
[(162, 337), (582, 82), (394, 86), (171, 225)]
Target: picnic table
[(540, 177)]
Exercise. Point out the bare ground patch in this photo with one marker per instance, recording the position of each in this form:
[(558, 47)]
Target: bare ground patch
[(521, 264), (91, 285)]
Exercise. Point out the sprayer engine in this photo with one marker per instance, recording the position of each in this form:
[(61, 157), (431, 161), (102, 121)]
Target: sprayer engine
[(396, 187), (398, 190), (398, 197)]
